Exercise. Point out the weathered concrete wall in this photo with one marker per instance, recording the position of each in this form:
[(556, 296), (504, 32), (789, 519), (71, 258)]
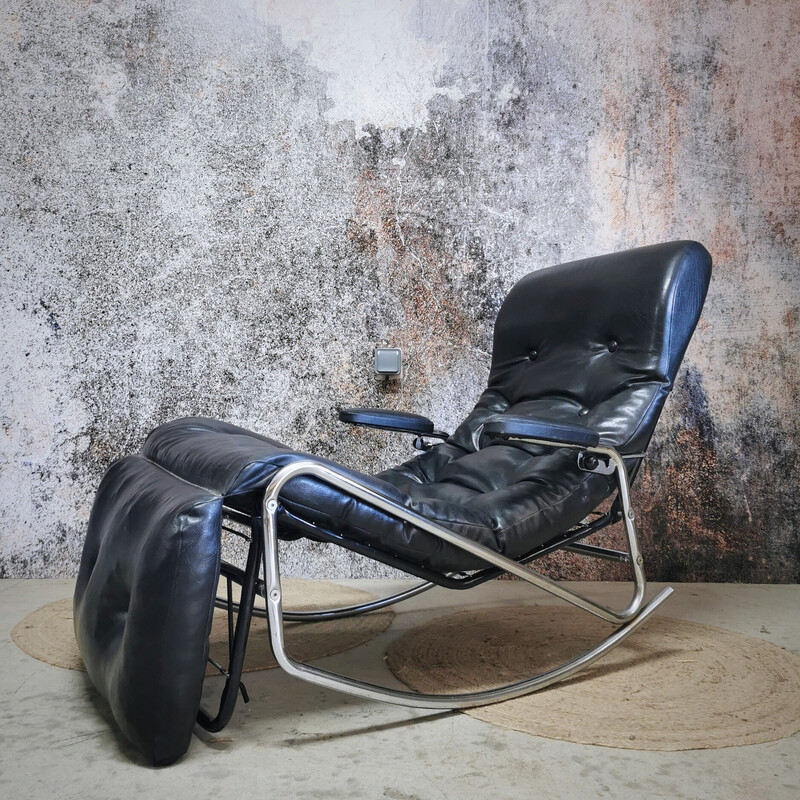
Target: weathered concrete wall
[(221, 209)]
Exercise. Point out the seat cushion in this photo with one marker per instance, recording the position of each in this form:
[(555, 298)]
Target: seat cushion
[(507, 496), (144, 597)]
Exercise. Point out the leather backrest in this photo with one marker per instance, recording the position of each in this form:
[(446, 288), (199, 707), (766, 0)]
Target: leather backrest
[(596, 341)]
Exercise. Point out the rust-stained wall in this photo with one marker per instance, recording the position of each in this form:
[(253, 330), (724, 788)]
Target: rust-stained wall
[(222, 208)]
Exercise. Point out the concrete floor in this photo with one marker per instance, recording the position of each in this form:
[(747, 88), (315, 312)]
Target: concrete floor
[(295, 740)]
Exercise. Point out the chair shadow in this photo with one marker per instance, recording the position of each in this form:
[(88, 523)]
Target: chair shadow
[(366, 729), (100, 706)]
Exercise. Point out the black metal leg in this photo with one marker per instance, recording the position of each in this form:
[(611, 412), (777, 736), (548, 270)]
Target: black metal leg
[(237, 643), (229, 584)]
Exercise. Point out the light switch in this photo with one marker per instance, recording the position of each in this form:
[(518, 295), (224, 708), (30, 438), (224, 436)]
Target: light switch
[(388, 363)]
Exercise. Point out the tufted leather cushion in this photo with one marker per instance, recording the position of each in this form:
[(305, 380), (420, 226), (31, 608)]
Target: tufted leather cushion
[(594, 343), (143, 601)]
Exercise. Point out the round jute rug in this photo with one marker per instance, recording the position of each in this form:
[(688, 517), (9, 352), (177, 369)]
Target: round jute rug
[(47, 633), (673, 685)]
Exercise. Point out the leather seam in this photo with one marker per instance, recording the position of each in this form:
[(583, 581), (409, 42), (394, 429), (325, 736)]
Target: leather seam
[(642, 420), (672, 315), (238, 473), (669, 356), (671, 318), (215, 495)]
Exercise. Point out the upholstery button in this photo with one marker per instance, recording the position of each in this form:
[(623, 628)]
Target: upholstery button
[(612, 346), (583, 412), (533, 355)]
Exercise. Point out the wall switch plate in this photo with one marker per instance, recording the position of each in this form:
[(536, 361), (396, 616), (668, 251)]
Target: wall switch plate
[(388, 363)]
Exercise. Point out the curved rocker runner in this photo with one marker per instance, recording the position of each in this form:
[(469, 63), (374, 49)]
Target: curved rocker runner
[(583, 359)]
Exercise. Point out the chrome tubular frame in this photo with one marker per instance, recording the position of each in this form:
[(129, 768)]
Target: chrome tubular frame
[(630, 618)]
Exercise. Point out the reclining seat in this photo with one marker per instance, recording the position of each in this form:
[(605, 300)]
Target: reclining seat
[(594, 343), (584, 356)]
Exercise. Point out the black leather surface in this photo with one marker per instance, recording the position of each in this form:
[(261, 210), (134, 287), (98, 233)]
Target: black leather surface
[(143, 601), (508, 425), (595, 343), (387, 420)]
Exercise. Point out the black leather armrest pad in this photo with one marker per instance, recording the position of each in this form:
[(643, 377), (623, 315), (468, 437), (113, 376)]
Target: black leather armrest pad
[(537, 429), (386, 419)]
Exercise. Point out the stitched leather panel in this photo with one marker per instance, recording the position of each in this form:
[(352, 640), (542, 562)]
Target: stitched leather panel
[(143, 601)]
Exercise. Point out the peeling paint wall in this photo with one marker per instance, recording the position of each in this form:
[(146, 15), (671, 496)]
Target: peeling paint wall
[(222, 208)]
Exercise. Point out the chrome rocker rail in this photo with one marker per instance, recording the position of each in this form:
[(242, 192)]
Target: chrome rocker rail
[(631, 617)]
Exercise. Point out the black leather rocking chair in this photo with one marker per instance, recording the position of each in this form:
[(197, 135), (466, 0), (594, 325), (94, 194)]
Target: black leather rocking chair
[(584, 357)]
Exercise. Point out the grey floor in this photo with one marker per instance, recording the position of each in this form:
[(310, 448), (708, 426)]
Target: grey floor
[(297, 741)]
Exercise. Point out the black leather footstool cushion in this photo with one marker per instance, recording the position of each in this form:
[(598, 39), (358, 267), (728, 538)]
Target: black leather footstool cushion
[(144, 601)]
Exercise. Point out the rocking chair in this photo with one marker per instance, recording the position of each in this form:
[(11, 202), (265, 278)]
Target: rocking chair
[(583, 359)]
